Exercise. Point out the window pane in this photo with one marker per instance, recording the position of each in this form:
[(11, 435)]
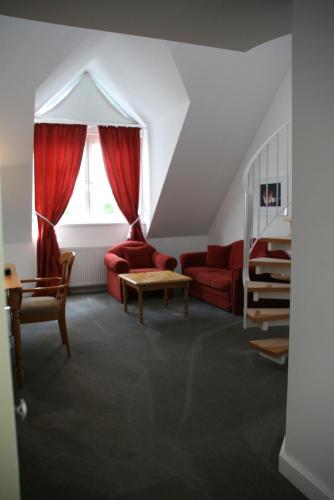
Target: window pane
[(92, 200), (102, 203)]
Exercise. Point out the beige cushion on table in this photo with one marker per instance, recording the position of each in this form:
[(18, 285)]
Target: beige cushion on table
[(33, 307)]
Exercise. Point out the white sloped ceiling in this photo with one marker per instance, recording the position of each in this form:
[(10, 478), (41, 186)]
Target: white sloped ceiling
[(229, 93)]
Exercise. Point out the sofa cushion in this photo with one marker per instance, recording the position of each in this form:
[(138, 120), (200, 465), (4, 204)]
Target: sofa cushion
[(137, 257), (211, 276), (217, 256), (144, 270)]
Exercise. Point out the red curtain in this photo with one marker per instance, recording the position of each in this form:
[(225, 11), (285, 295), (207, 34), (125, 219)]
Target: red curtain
[(57, 157), (121, 154)]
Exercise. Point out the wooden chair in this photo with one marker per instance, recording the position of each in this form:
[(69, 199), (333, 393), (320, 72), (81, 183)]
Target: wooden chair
[(40, 308)]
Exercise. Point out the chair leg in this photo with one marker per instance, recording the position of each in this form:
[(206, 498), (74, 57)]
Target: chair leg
[(63, 332)]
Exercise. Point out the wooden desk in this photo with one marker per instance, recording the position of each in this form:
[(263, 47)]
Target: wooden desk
[(13, 288), (154, 281)]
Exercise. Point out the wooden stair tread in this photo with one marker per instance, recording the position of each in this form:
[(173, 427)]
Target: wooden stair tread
[(284, 240), (269, 261), (270, 314), (272, 347), (282, 277), (266, 286)]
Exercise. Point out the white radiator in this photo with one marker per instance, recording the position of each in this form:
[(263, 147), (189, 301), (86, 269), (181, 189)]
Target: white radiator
[(88, 268)]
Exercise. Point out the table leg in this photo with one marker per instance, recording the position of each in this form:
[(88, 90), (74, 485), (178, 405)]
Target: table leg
[(125, 296), (186, 297), (166, 294), (141, 304)]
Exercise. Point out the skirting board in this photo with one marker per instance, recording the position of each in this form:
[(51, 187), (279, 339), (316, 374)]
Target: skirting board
[(302, 478)]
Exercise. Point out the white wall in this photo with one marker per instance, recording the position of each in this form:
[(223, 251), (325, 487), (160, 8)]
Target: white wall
[(307, 458), (144, 79), (81, 235), (228, 223), (25, 62), (176, 246)]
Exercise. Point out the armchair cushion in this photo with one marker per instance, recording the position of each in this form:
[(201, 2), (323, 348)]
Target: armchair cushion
[(217, 256), (137, 257), (211, 276)]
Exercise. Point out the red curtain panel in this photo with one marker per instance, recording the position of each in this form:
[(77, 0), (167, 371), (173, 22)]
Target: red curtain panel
[(57, 157), (121, 154)]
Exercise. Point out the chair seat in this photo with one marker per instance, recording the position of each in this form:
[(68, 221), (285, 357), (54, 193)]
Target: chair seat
[(35, 308), (213, 277)]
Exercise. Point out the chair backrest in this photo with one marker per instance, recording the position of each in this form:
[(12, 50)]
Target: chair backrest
[(66, 264)]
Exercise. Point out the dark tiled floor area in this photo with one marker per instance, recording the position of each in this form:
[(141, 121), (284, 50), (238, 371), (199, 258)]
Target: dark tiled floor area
[(172, 409)]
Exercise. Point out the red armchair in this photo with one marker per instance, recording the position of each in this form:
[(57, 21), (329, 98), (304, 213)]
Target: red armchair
[(134, 257)]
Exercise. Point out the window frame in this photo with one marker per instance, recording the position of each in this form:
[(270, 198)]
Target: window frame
[(117, 218)]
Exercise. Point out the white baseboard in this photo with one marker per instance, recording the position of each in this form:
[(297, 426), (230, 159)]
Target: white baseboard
[(312, 487)]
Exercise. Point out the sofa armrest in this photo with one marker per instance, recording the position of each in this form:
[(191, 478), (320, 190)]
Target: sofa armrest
[(116, 264), (163, 261), (195, 259), (237, 291)]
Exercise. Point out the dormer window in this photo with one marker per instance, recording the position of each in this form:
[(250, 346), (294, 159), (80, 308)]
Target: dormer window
[(86, 101), (92, 201)]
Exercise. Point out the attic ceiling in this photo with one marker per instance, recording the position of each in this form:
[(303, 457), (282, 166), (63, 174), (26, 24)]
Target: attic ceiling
[(201, 106), (229, 94), (231, 24)]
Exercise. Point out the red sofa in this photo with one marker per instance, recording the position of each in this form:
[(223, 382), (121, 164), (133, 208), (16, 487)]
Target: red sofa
[(134, 257), (221, 284)]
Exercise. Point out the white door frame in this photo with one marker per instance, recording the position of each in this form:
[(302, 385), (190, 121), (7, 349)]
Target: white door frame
[(9, 467)]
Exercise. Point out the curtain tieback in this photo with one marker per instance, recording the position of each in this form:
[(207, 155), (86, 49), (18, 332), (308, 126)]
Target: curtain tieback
[(44, 218), (131, 225), (134, 222)]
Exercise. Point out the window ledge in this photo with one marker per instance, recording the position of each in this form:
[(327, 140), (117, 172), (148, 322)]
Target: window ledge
[(81, 224)]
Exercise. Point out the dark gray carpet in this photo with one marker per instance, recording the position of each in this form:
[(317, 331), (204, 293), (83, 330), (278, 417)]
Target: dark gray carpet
[(174, 409)]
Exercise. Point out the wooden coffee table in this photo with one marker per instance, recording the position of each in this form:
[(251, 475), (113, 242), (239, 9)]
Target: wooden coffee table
[(154, 281)]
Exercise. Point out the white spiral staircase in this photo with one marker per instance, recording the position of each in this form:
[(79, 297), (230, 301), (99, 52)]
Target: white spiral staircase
[(267, 188)]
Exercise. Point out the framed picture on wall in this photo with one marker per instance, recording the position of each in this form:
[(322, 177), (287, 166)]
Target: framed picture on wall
[(271, 195)]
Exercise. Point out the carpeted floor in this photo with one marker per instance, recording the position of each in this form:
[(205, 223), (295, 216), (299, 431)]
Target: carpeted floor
[(172, 409)]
